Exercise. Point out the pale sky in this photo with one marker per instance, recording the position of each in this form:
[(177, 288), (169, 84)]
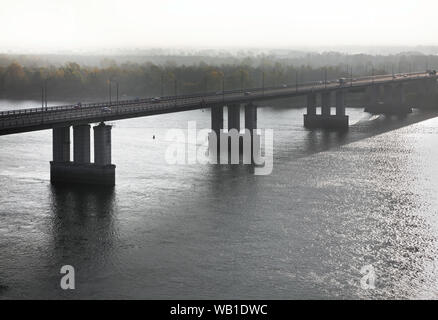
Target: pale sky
[(76, 24)]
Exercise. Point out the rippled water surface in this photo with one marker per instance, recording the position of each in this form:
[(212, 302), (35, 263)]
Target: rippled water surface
[(333, 204)]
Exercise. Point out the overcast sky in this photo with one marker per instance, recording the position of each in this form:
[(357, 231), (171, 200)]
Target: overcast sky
[(68, 24)]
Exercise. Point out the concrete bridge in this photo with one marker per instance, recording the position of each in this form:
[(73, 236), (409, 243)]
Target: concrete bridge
[(386, 94)]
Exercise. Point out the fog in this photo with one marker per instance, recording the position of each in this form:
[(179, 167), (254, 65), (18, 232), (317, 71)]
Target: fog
[(65, 25)]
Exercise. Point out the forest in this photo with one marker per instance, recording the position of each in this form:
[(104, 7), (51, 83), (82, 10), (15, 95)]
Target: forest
[(23, 77)]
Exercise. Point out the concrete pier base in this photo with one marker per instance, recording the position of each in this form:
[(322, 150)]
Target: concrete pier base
[(338, 122), (82, 173)]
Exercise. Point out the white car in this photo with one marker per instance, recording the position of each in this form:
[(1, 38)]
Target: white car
[(106, 109)]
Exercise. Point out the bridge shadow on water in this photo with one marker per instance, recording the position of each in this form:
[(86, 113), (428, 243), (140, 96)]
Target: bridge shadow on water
[(323, 140)]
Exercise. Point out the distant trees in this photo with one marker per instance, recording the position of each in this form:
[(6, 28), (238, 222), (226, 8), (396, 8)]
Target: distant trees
[(81, 82)]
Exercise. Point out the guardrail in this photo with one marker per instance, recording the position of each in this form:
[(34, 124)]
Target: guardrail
[(52, 115), (179, 97)]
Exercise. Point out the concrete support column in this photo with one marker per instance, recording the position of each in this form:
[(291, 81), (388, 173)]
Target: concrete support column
[(251, 125), (430, 86), (311, 103), (61, 144), (234, 117), (388, 94), (250, 117), (217, 124), (217, 119), (340, 103), (373, 95), (102, 144), (81, 143), (399, 95), (325, 103)]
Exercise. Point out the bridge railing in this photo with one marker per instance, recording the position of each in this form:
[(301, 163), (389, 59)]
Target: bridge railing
[(126, 106)]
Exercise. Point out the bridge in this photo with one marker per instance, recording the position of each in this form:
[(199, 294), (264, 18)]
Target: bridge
[(386, 94)]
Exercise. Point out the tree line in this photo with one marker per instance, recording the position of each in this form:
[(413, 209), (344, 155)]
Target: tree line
[(80, 82)]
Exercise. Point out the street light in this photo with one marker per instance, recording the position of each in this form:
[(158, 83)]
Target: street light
[(263, 80), (44, 95), (176, 92), (45, 91), (351, 76), (117, 89), (223, 86), (109, 89), (296, 80), (241, 79)]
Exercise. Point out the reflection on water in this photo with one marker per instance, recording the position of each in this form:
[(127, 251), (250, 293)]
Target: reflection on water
[(333, 203)]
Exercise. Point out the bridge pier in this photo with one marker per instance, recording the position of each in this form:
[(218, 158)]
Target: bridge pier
[(217, 125), (399, 97), (311, 104), (81, 143), (394, 101), (326, 120), (61, 144), (250, 127), (234, 117), (428, 93), (250, 117), (80, 170), (233, 139), (326, 103), (373, 93)]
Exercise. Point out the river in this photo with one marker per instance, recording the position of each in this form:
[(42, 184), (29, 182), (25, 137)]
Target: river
[(333, 204)]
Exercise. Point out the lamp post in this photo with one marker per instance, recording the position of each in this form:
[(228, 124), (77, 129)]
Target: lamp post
[(45, 92), (109, 89), (263, 80), (223, 86), (241, 79), (117, 90), (351, 76), (42, 97), (176, 91), (296, 80), (162, 84)]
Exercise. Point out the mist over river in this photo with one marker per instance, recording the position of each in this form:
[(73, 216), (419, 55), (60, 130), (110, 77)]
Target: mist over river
[(334, 203)]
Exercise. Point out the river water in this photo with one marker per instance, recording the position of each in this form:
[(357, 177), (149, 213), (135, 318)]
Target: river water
[(333, 204)]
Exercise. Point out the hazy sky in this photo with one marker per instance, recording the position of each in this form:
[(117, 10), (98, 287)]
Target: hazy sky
[(68, 24)]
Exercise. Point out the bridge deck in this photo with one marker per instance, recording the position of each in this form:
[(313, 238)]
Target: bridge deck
[(24, 120)]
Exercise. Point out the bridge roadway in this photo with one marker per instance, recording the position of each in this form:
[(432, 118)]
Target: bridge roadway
[(24, 120)]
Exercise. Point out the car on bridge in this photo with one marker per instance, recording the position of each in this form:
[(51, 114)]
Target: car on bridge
[(156, 99), (247, 93), (342, 81), (106, 109)]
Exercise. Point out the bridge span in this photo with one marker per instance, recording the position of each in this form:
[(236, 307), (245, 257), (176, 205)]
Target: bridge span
[(386, 93)]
